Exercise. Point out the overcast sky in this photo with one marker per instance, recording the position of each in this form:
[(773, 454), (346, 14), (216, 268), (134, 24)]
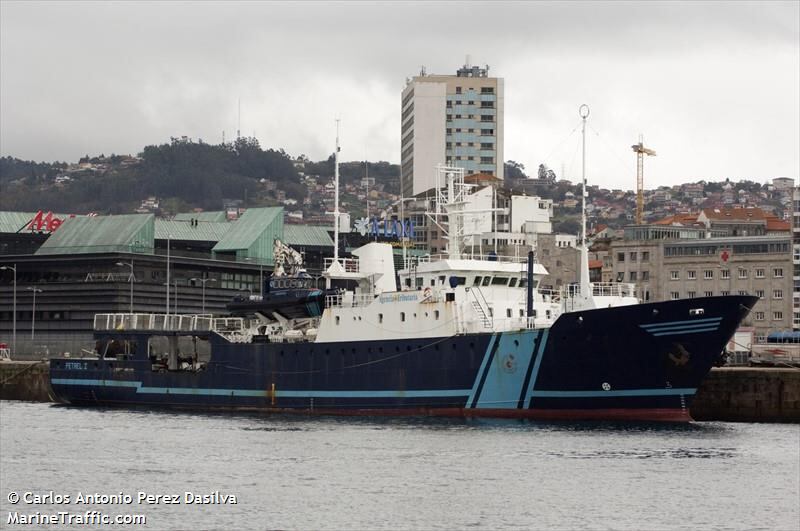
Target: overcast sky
[(713, 87)]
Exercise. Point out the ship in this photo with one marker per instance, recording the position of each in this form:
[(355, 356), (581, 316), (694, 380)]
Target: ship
[(450, 335)]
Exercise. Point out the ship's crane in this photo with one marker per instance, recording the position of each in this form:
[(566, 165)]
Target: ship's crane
[(287, 261), (640, 151)]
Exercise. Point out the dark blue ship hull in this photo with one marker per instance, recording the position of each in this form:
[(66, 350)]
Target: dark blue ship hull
[(642, 362)]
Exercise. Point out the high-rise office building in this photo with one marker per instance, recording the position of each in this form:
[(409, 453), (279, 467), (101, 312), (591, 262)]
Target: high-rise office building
[(450, 119)]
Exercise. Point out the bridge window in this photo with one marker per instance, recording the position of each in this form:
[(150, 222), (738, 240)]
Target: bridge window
[(402, 316), (380, 317), (477, 281), (486, 281), (499, 281), (508, 312)]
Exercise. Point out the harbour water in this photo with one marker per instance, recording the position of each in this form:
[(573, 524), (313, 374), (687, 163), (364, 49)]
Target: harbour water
[(375, 473)]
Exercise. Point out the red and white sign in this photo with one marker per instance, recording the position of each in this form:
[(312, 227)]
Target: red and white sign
[(42, 222)]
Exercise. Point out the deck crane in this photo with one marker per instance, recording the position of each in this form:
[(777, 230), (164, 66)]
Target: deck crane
[(640, 151), (288, 262)]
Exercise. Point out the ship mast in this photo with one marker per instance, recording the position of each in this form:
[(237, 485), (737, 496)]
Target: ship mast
[(336, 197), (583, 110), (335, 265)]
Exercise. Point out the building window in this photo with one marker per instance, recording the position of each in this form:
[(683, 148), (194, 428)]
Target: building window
[(674, 275), (645, 256), (633, 276), (759, 316), (777, 272), (742, 273), (742, 292), (708, 294), (674, 295), (725, 293), (449, 117), (620, 257), (777, 316), (487, 90), (458, 90), (645, 275), (708, 274), (487, 132), (449, 131), (691, 275), (620, 276), (690, 294), (760, 272), (725, 273), (487, 160), (633, 256), (760, 293), (777, 294)]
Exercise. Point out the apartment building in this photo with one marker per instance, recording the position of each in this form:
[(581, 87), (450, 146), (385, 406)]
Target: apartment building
[(688, 268), (450, 119)]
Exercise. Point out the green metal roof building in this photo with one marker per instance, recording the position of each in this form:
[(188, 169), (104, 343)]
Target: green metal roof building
[(102, 234), (252, 235)]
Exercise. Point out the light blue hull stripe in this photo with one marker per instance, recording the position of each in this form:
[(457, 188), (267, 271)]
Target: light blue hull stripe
[(477, 383), (426, 393), (682, 327), (610, 394), (708, 320), (683, 332), (536, 365), (366, 394), (506, 375)]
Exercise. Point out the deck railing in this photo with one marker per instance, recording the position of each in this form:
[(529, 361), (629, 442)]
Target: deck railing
[(159, 322), (350, 265)]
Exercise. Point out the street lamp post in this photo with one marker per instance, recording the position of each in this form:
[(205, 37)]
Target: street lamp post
[(33, 313), (260, 275), (124, 264), (203, 282), (167, 283), (14, 308)]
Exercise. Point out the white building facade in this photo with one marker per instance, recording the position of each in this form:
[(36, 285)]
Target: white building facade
[(450, 119)]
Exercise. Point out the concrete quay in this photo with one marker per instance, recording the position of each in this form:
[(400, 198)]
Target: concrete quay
[(749, 394), (737, 394)]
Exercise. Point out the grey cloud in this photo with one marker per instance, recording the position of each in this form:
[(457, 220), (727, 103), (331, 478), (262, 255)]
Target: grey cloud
[(713, 84)]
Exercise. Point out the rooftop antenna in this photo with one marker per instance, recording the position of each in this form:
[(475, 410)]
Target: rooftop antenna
[(583, 110), (239, 123), (366, 180), (223, 137)]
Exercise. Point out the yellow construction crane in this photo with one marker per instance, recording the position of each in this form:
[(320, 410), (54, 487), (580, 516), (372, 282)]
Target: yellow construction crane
[(640, 151)]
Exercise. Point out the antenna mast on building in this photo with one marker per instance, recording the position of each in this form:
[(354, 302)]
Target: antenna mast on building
[(239, 123), (640, 151)]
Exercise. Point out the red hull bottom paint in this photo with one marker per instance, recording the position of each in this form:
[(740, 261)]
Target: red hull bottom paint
[(618, 414)]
